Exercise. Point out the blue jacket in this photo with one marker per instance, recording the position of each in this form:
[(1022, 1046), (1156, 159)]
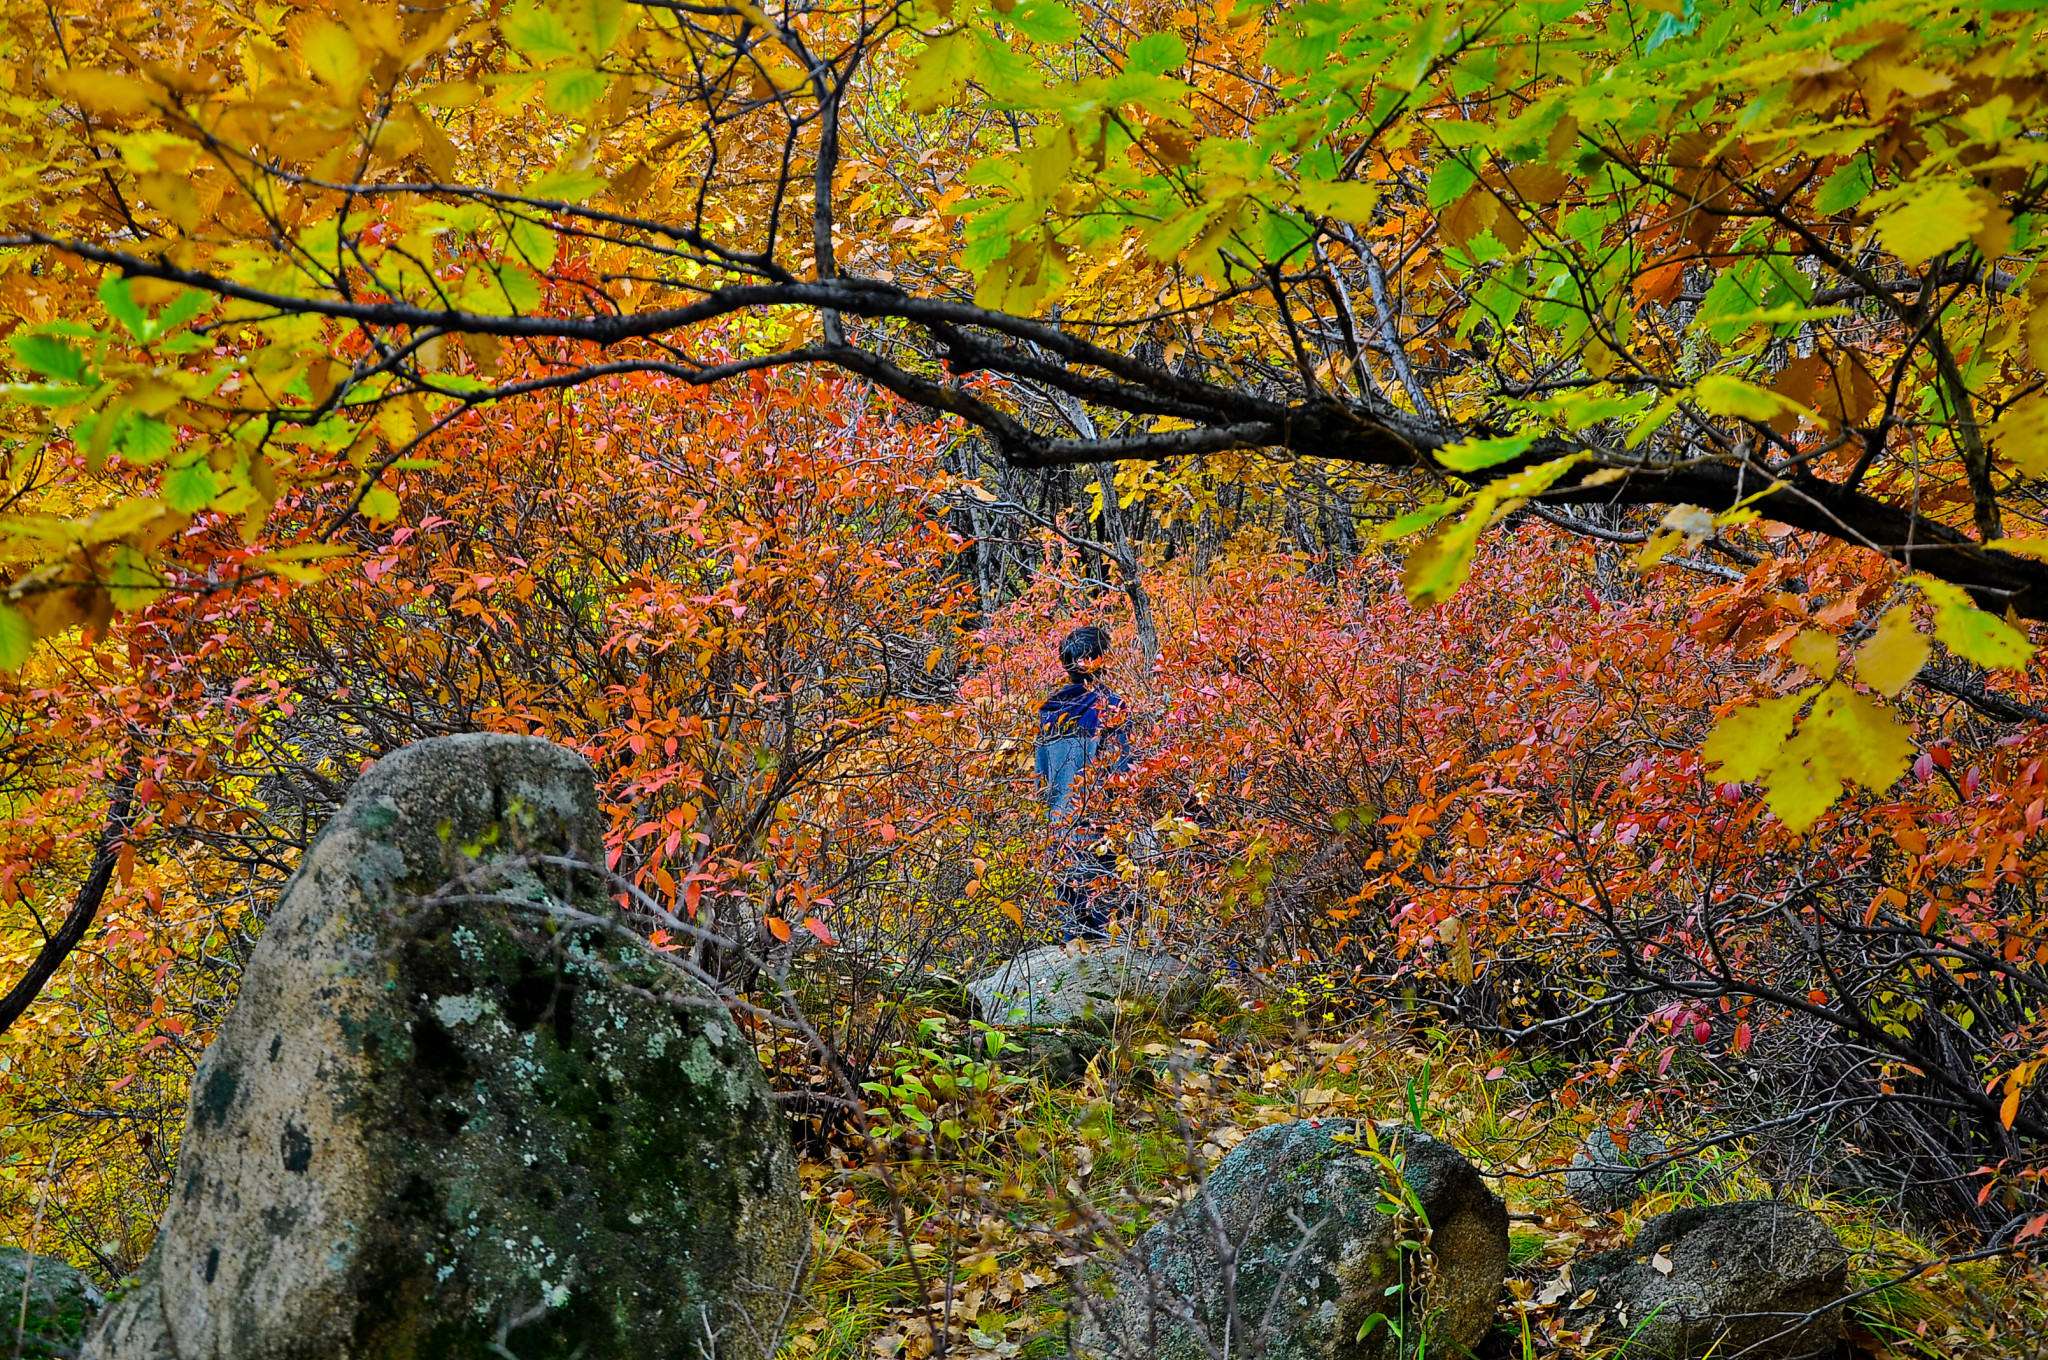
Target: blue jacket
[(1074, 723)]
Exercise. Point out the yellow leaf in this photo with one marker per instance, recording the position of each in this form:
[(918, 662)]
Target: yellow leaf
[(1927, 219), (2020, 436), (329, 51), (104, 91), (1802, 782), (1747, 741), (1346, 200), (1890, 657), (1864, 740), (172, 196), (1817, 651), (2009, 1108)]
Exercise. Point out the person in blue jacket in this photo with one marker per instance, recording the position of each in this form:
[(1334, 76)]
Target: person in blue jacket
[(1080, 727)]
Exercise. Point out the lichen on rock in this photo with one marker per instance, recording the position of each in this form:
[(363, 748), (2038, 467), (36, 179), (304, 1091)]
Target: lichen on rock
[(1312, 1219), (440, 1121)]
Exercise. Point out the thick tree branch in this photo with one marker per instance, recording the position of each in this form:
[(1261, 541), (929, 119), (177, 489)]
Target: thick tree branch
[(1219, 419), (84, 909)]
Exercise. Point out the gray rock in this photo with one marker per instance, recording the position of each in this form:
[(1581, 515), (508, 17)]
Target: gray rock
[(1604, 1178), (446, 1127), (1053, 985), (1726, 1280), (61, 1302), (1315, 1257)]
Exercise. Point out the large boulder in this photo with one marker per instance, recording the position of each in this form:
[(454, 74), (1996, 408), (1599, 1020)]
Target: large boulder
[(1059, 985), (457, 1116), (1761, 1279), (61, 1302), (1322, 1268), (1605, 1176)]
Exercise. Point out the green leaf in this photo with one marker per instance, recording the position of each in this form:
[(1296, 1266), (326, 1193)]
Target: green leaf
[(1470, 455), (534, 243), (189, 302), (1849, 185), (520, 290), (17, 639), (190, 488), (1890, 657), (1448, 183), (119, 300), (565, 186), (1974, 634), (1046, 21), (50, 356), (539, 31), (1157, 53), (1721, 395), (143, 439), (37, 394), (1418, 49), (573, 89), (131, 583), (606, 22), (380, 504), (1746, 742), (1415, 521)]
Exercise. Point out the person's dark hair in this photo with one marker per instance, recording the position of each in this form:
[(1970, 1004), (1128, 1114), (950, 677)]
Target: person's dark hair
[(1083, 645)]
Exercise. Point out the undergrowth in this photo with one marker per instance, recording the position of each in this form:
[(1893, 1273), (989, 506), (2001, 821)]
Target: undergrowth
[(966, 1241)]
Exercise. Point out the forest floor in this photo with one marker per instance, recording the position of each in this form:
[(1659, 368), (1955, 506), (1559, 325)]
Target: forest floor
[(967, 1243)]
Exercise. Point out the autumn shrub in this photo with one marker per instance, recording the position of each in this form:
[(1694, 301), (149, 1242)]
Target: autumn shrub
[(733, 604), (1499, 806)]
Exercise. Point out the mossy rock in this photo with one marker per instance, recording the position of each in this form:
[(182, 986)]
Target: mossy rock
[(458, 1122), (61, 1304), (1761, 1279), (1316, 1269)]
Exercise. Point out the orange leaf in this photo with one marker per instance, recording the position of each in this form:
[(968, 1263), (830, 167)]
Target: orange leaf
[(779, 928), (822, 931)]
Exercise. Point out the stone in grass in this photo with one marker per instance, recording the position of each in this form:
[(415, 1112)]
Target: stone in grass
[(1320, 1270), (1062, 985), (1760, 1279), (460, 1125), (60, 1302), (1603, 1177)]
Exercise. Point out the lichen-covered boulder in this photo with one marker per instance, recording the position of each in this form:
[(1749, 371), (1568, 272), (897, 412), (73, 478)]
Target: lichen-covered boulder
[(1317, 1270), (447, 1119), (61, 1302), (1604, 1176), (1059, 985), (1761, 1279)]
